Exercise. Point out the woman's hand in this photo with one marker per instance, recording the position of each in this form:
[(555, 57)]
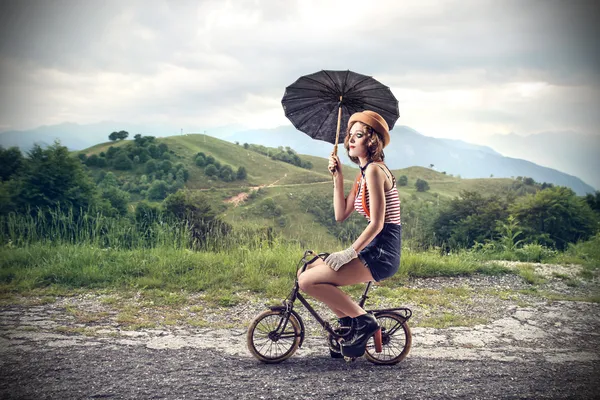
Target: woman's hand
[(335, 166), (337, 259)]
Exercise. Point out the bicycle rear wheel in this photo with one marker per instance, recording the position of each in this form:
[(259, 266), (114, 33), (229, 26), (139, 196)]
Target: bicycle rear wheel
[(396, 340), (269, 340)]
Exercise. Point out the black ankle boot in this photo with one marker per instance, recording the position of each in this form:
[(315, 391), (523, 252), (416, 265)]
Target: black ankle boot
[(364, 327), (345, 326)]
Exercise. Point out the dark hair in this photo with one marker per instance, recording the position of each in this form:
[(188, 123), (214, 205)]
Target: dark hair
[(374, 148)]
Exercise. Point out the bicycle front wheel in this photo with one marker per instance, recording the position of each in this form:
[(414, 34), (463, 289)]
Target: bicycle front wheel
[(396, 340), (270, 339)]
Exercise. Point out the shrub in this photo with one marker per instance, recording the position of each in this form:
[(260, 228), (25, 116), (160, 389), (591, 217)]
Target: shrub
[(226, 173), (151, 166), (166, 166), (421, 185), (534, 253), (118, 199), (211, 170), (403, 180), (241, 173), (158, 190), (122, 162)]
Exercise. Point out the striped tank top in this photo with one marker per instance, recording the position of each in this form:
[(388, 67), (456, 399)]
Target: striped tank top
[(392, 201)]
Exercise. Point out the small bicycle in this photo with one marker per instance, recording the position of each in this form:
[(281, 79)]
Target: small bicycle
[(277, 333)]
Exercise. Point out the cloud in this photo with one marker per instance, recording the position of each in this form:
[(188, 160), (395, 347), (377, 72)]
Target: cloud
[(457, 67)]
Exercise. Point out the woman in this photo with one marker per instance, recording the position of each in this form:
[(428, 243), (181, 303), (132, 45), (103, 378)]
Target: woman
[(375, 255)]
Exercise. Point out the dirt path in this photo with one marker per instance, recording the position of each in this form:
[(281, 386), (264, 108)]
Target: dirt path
[(532, 347), (243, 196)]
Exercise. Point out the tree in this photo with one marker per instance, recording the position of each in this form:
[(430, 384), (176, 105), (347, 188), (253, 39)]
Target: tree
[(241, 173), (195, 209), (158, 190), (226, 173), (111, 152), (421, 185), (593, 200), (53, 178), (200, 160), (431, 166), (162, 148), (150, 166), (153, 150), (211, 170), (468, 219), (113, 136), (92, 161), (109, 181), (165, 166), (122, 162), (11, 162), (555, 217), (117, 198), (403, 180)]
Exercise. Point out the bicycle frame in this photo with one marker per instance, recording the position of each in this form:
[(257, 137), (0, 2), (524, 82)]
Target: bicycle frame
[(288, 306)]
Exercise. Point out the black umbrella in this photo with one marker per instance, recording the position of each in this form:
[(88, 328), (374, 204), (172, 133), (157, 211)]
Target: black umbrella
[(318, 104)]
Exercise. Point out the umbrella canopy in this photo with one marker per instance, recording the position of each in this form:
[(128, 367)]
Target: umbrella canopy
[(318, 104)]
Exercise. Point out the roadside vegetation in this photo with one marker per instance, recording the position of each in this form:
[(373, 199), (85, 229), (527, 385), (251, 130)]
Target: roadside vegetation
[(69, 223)]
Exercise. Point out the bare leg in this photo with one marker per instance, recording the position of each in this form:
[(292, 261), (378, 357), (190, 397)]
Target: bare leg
[(338, 313), (322, 283)]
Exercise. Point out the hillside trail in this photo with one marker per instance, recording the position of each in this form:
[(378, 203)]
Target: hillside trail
[(243, 196), (527, 345)]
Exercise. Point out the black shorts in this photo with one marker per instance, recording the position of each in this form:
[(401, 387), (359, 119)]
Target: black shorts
[(382, 255)]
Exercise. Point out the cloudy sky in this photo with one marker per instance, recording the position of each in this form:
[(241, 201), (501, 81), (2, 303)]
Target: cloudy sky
[(460, 69)]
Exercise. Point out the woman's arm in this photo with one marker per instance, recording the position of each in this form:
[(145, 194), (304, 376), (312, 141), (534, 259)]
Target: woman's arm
[(375, 185), (342, 206)]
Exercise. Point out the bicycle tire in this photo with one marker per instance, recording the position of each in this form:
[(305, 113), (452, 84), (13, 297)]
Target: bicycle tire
[(395, 346), (261, 342)]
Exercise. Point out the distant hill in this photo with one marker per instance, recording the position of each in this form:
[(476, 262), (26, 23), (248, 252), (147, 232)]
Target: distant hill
[(573, 153), (407, 148), (289, 193), (78, 137)]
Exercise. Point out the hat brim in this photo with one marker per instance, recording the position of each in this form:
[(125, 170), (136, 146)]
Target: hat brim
[(374, 123)]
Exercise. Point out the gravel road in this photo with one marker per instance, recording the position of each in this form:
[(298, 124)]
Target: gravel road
[(538, 349)]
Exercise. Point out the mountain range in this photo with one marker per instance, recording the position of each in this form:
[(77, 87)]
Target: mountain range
[(558, 150), (410, 148), (407, 148)]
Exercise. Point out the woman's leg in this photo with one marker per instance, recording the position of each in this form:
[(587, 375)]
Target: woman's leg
[(338, 313), (322, 283)]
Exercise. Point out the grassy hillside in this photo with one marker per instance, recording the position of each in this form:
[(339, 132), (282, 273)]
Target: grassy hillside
[(284, 200)]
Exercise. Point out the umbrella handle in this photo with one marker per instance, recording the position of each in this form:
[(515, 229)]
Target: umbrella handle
[(337, 132)]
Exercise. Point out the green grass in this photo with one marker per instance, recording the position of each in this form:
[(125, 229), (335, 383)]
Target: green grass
[(430, 264), (294, 223), (167, 274), (527, 272), (449, 319)]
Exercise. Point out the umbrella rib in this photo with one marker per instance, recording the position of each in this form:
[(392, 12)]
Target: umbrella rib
[(307, 106), (358, 83), (346, 79), (328, 89), (321, 124), (309, 116), (333, 82)]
